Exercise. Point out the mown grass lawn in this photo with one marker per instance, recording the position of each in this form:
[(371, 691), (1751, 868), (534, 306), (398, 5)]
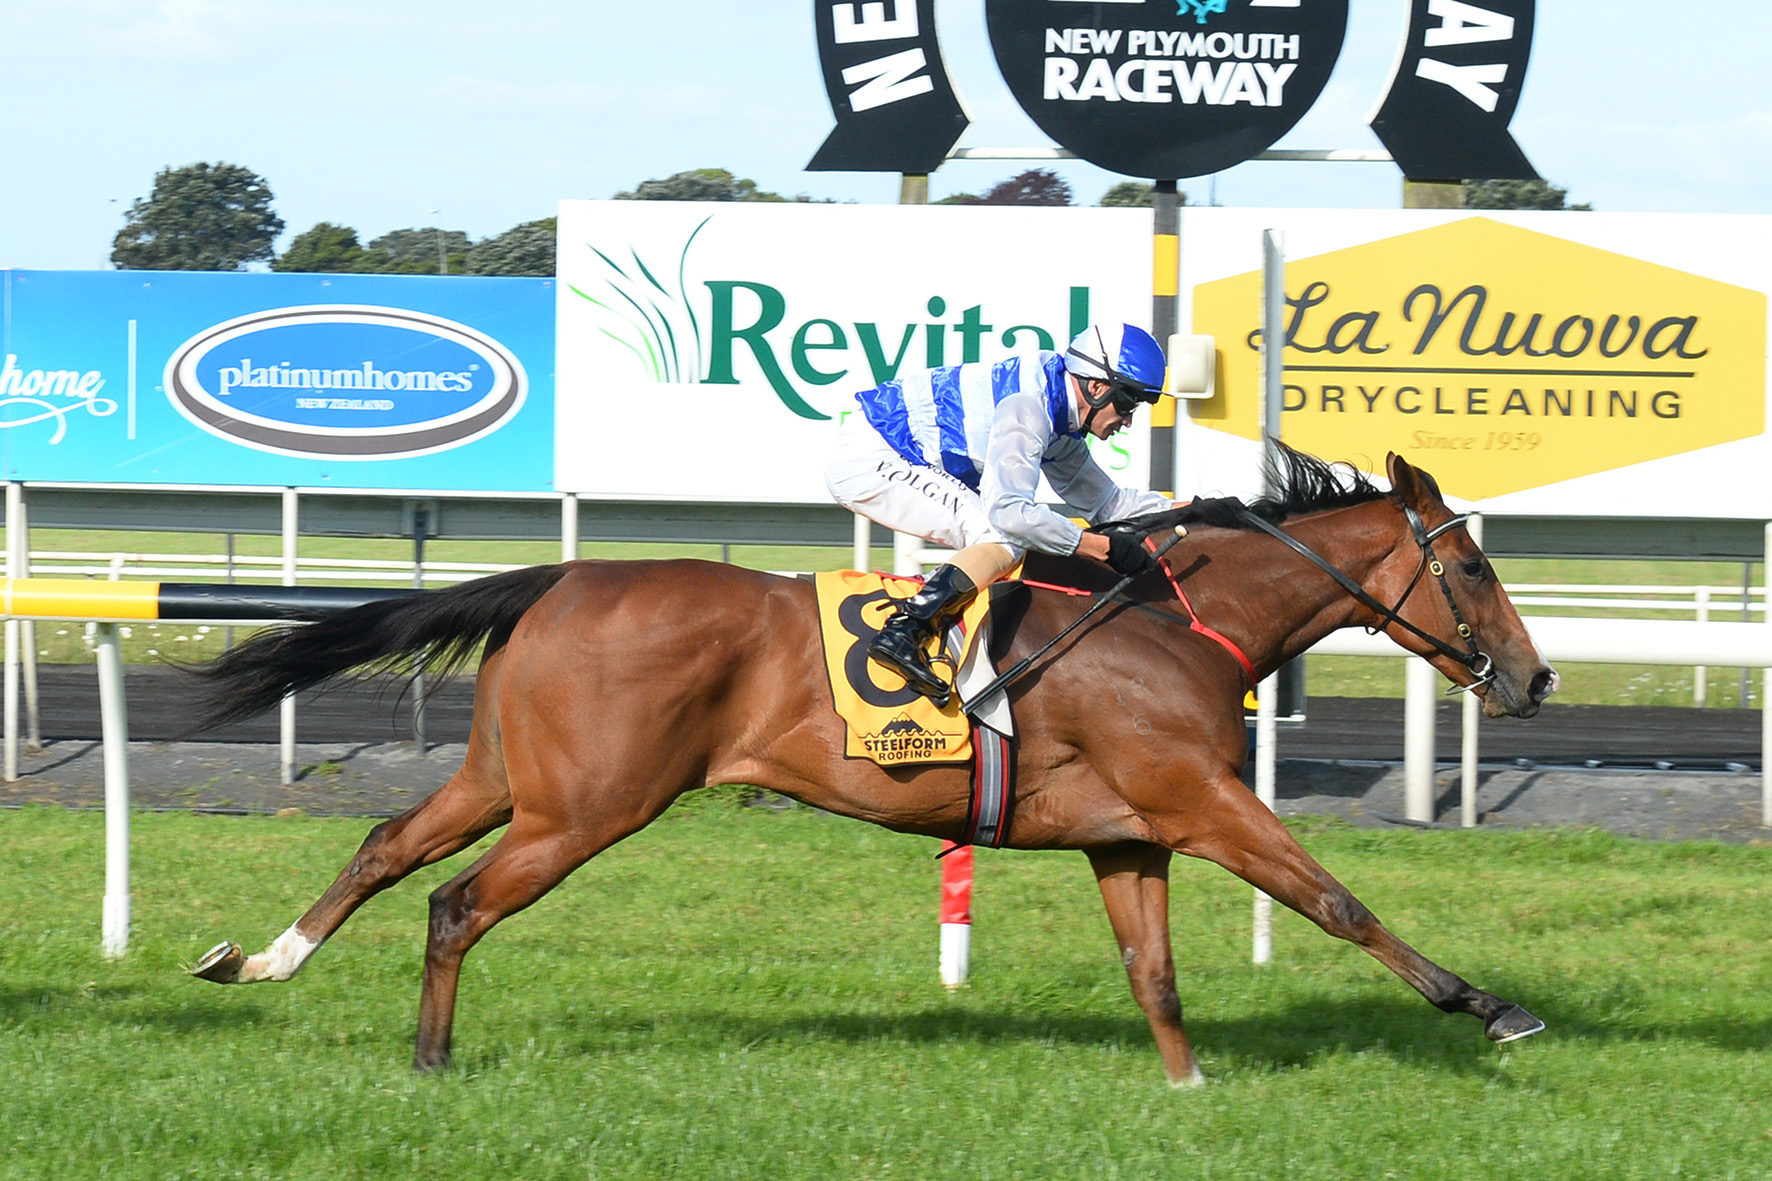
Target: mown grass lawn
[(743, 993)]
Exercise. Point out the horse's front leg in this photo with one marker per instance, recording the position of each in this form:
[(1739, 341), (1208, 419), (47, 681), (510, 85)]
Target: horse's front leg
[(1134, 881), (1245, 837)]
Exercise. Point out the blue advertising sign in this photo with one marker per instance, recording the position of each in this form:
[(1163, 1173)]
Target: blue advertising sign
[(349, 381)]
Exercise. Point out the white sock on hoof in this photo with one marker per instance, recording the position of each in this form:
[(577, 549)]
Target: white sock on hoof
[(1195, 1080), (281, 960)]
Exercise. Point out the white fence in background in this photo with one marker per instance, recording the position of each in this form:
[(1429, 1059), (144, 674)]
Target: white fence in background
[(245, 567), (1700, 602)]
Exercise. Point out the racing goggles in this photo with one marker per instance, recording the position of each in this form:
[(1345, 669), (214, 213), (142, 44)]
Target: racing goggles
[(1124, 396)]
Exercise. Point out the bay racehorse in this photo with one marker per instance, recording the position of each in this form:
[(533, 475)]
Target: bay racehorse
[(608, 689)]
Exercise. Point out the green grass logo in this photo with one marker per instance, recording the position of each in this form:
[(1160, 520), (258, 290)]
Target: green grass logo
[(656, 324)]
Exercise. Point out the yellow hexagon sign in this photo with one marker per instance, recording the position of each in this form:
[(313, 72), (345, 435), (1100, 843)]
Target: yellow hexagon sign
[(1500, 358)]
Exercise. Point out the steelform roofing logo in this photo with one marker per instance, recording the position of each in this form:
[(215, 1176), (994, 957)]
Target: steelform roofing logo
[(345, 381)]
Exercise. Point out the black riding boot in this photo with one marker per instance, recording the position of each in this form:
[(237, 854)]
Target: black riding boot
[(899, 646)]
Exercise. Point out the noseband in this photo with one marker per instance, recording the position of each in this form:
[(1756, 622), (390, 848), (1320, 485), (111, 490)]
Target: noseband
[(1481, 666)]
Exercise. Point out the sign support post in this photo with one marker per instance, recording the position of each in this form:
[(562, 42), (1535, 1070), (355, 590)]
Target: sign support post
[(1267, 694), (1165, 289)]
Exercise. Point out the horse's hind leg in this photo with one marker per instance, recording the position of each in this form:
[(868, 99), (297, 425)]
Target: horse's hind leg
[(1134, 883), (459, 813), (1249, 840), (531, 858)]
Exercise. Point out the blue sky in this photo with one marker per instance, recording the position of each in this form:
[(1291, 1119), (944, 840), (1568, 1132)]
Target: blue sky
[(375, 114)]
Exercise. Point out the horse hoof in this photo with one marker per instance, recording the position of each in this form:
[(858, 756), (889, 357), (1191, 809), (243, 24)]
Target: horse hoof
[(1512, 1024), (220, 964), (1188, 1082)]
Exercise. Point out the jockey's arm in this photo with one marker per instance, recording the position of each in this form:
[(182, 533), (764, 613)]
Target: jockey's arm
[(1077, 478), (1020, 435)]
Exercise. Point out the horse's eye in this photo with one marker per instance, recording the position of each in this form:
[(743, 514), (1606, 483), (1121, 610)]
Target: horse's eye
[(1472, 568)]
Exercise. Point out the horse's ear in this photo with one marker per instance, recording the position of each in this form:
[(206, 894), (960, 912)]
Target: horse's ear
[(1405, 480)]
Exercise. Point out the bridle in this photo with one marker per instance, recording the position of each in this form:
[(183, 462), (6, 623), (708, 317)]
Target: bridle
[(1480, 664)]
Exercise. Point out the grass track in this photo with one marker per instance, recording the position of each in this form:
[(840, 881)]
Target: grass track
[(739, 993)]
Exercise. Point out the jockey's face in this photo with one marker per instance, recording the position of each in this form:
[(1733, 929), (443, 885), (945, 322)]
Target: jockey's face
[(1108, 419)]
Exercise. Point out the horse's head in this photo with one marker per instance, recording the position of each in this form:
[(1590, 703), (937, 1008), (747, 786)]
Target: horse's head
[(1450, 592)]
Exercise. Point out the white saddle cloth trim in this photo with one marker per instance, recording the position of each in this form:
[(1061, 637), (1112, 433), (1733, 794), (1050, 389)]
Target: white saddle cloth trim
[(975, 673)]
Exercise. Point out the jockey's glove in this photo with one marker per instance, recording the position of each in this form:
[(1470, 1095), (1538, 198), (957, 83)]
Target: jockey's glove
[(1127, 553)]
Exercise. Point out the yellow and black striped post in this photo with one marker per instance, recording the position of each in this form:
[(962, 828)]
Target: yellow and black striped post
[(111, 603), (89, 599), (1165, 288)]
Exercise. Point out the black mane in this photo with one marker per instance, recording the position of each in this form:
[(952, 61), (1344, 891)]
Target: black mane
[(1301, 483)]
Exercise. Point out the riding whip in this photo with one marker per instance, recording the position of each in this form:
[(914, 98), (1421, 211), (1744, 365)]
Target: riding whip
[(1021, 666)]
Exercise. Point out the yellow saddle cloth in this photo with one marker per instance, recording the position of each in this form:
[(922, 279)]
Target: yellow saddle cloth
[(887, 720)]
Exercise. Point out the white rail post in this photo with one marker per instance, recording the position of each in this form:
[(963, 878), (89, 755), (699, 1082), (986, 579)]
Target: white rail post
[(421, 525), (1472, 717), (14, 502), (114, 728), (11, 691), (18, 540), (286, 708), (569, 527), (1418, 739), (1700, 675), (1267, 712), (907, 555), (864, 543)]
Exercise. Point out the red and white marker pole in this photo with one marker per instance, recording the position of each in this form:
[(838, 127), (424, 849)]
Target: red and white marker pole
[(956, 912)]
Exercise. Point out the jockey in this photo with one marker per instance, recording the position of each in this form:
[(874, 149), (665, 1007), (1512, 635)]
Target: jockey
[(955, 455)]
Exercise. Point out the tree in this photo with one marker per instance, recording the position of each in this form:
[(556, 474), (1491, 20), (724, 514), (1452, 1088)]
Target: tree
[(1516, 194), (1135, 194), (1036, 186), (423, 251), (1130, 193), (202, 217), (527, 249), (327, 249), (699, 184)]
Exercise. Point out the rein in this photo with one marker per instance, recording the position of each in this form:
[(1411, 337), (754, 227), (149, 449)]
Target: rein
[(1481, 665)]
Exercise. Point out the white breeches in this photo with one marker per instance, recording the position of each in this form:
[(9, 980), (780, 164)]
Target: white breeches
[(867, 476)]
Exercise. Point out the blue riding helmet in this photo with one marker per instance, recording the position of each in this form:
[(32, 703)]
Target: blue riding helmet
[(1127, 358), (1120, 354)]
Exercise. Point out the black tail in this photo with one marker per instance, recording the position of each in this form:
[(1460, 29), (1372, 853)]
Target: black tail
[(444, 627)]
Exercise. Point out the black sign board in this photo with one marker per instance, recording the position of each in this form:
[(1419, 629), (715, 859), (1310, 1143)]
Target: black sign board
[(896, 109), (1166, 88), (1456, 86)]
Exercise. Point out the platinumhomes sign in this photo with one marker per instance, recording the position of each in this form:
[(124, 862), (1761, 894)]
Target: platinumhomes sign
[(444, 384), (345, 382), (1168, 89)]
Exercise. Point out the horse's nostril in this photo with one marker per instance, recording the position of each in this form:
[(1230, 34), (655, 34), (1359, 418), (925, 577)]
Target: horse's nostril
[(1544, 683)]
